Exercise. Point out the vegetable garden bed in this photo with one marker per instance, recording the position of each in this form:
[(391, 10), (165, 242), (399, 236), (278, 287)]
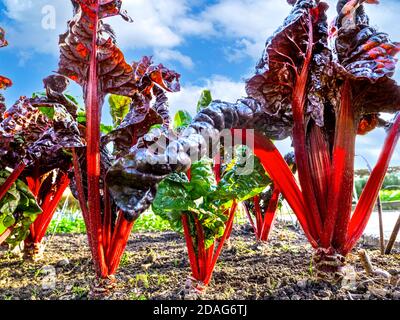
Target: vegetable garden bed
[(155, 267), (318, 83)]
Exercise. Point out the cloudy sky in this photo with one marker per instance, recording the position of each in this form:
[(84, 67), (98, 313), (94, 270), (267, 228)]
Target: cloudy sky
[(214, 44)]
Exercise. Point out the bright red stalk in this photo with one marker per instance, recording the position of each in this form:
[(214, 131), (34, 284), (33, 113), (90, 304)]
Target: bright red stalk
[(49, 206), (269, 216), (93, 114), (231, 227), (122, 230), (201, 250), (107, 222), (209, 257), (320, 167), (370, 194), (299, 139), (221, 244), (34, 182), (217, 168), (280, 173), (342, 177), (203, 262), (189, 245)]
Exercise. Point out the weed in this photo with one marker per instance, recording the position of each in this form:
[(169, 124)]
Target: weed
[(79, 292)]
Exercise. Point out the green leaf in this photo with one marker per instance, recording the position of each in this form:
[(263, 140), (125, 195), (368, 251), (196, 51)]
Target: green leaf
[(212, 220), (182, 119), (205, 100), (18, 209), (81, 118), (156, 126), (48, 112), (119, 108), (173, 195), (202, 180), (38, 95), (106, 129), (72, 98), (243, 179), (8, 221)]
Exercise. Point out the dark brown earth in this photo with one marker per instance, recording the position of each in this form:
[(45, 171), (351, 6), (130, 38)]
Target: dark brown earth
[(155, 267)]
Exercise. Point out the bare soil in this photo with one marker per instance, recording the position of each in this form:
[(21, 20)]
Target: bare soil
[(155, 266)]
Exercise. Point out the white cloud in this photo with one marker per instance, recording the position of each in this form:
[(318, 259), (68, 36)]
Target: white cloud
[(221, 88), (370, 147), (250, 22), (153, 24), (24, 57), (27, 32), (174, 55)]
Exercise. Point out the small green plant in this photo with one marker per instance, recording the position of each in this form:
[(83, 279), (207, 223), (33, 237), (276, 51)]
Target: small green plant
[(161, 278), (141, 280), (79, 292), (149, 222), (311, 267), (201, 204), (67, 224), (124, 259), (137, 296)]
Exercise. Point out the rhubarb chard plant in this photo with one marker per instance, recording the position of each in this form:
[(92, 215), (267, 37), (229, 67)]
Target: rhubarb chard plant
[(201, 203), (35, 134), (335, 81), (203, 209), (90, 57)]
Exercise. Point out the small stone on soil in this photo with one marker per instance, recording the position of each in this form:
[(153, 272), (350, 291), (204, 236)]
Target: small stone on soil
[(302, 284), (63, 263)]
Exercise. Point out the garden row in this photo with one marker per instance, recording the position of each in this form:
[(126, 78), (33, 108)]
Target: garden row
[(321, 86)]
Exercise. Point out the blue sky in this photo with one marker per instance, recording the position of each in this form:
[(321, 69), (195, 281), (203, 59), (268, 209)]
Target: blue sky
[(213, 43)]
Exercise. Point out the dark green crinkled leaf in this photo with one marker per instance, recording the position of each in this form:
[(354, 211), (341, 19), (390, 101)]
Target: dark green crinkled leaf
[(18, 209), (173, 195), (202, 179), (177, 196), (243, 179)]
